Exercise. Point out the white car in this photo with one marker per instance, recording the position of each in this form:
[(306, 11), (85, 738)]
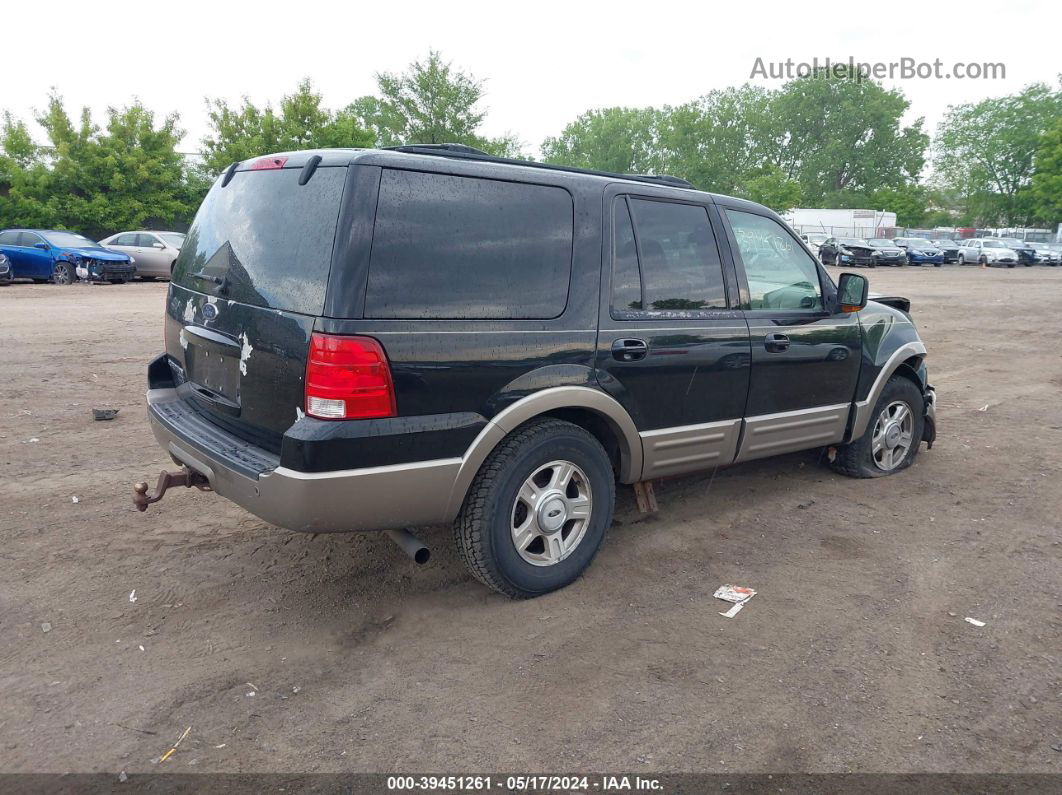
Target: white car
[(985, 251), (154, 252), (814, 240)]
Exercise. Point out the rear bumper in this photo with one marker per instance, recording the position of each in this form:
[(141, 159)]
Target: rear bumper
[(373, 498)]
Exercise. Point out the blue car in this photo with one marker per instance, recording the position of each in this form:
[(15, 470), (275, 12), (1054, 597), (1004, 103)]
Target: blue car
[(62, 257), (920, 251)]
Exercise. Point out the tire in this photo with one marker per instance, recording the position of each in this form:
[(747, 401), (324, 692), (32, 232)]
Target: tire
[(858, 459), (983, 262), (63, 273), (937, 264), (497, 499), (1010, 264), (147, 278)]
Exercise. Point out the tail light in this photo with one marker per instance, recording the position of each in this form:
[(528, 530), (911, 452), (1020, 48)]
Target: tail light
[(348, 378)]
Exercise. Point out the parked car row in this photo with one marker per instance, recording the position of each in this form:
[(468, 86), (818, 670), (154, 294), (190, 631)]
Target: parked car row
[(63, 257), (1006, 252)]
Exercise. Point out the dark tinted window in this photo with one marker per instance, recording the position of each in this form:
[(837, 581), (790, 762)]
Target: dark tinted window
[(266, 239), (29, 239), (8, 238), (679, 261), (128, 239), (146, 241), (626, 281), (460, 247)]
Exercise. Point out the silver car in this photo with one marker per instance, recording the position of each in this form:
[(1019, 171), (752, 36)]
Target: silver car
[(154, 252), (1046, 254)]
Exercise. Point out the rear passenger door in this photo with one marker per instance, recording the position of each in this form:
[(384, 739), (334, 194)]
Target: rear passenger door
[(805, 360), (671, 347)]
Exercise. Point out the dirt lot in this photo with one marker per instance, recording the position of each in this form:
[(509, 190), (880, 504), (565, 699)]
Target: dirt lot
[(289, 653)]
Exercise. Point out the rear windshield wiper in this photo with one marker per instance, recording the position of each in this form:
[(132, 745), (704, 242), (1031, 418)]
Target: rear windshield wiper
[(208, 277)]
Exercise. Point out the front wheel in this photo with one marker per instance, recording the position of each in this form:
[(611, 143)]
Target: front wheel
[(538, 509), (893, 435), (63, 273)]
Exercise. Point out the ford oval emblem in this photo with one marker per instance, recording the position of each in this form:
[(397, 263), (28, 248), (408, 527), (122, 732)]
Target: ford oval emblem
[(210, 311)]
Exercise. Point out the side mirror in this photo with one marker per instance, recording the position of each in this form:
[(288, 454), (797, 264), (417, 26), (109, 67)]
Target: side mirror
[(852, 290), (41, 246), (157, 245)]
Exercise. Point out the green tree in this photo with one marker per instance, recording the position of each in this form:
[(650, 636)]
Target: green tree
[(621, 140), (910, 203), (23, 174), (301, 122), (985, 152), (722, 140), (836, 134), (96, 180), (771, 187), (1047, 175), (430, 103)]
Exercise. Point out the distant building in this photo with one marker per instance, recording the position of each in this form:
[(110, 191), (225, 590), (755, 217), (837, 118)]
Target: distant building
[(843, 223)]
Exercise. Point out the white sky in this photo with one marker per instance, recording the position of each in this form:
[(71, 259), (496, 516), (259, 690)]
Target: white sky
[(544, 62)]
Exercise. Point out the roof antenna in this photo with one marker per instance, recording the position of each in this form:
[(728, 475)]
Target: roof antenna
[(229, 173), (309, 169)]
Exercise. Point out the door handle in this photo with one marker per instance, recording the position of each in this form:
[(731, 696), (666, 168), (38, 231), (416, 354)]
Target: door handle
[(629, 350), (776, 343)]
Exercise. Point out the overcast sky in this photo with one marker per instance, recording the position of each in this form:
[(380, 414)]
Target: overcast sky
[(544, 62)]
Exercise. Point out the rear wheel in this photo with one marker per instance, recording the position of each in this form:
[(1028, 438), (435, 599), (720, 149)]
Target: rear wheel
[(893, 435), (538, 509), (63, 273)]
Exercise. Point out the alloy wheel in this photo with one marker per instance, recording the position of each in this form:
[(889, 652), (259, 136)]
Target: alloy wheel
[(551, 513), (61, 274), (893, 436)]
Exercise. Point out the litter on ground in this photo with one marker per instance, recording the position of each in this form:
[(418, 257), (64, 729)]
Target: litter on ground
[(132, 595), (170, 752), (974, 621), (738, 594)]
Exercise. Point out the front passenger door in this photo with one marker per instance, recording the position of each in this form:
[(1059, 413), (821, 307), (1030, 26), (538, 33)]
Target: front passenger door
[(805, 360)]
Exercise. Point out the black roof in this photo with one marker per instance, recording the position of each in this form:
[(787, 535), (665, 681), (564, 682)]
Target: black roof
[(462, 152), (336, 157)]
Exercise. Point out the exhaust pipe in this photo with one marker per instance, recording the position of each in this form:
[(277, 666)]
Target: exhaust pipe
[(411, 545)]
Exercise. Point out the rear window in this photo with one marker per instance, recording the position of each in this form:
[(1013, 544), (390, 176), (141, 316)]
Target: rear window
[(265, 240), (447, 247)]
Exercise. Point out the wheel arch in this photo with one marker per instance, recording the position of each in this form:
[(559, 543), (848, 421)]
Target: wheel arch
[(906, 360), (595, 411)]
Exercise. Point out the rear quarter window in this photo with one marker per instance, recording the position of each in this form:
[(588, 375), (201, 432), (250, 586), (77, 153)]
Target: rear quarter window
[(450, 247)]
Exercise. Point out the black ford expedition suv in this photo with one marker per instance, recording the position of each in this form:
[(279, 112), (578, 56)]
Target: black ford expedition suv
[(380, 339)]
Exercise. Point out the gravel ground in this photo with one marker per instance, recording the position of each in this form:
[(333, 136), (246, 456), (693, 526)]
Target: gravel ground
[(289, 653)]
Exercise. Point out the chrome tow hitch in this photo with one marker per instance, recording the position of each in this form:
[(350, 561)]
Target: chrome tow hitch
[(167, 480)]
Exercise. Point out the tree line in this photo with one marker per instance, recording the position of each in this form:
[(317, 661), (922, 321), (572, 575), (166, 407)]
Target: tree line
[(828, 141)]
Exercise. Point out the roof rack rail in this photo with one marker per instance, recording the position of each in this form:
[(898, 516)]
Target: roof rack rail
[(463, 152)]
